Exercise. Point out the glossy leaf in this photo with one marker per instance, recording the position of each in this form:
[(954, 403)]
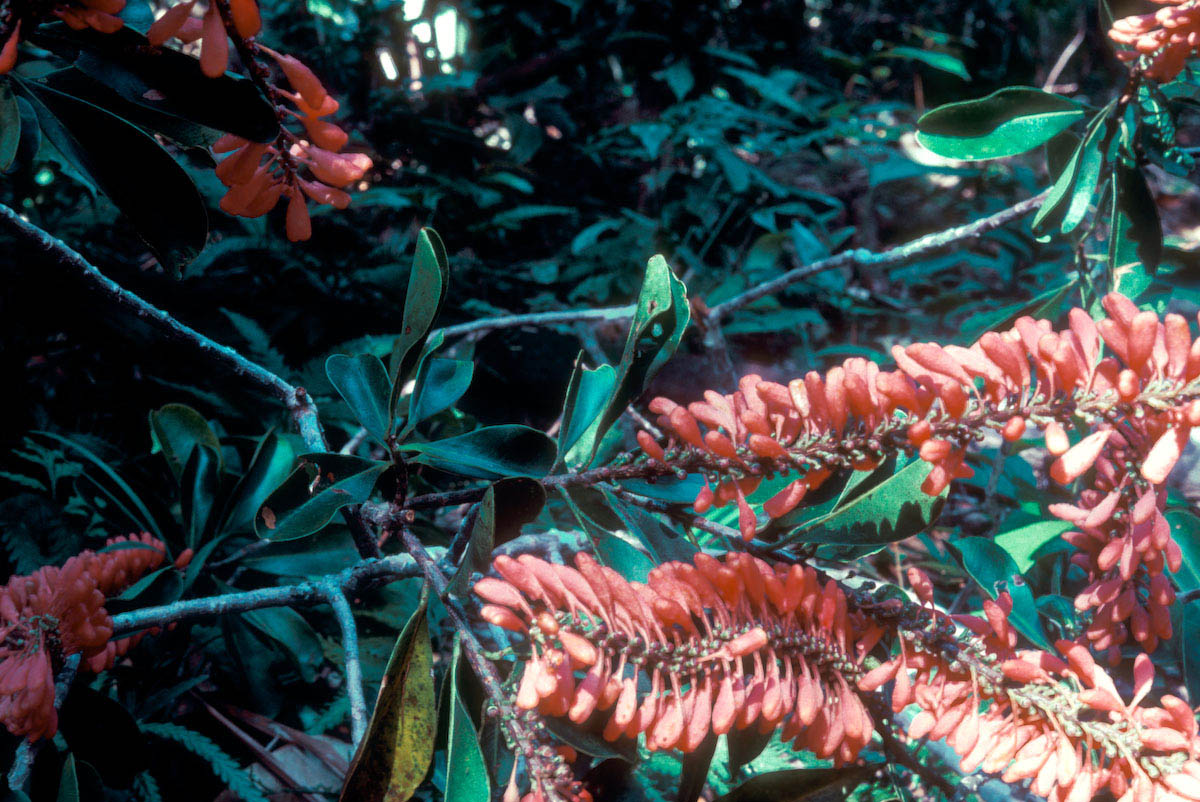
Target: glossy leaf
[(590, 743), (394, 756), (1185, 531), (1091, 162), (1024, 543), (161, 88), (68, 783), (1054, 209), (427, 285), (269, 466), (694, 770), (10, 127), (801, 785), (660, 319), (492, 452), (199, 486), (293, 510), (295, 636), (156, 196), (478, 553), (588, 394), (1136, 205), (466, 772), (176, 430), (440, 382), (362, 381), (892, 510), (1007, 122), (991, 567)]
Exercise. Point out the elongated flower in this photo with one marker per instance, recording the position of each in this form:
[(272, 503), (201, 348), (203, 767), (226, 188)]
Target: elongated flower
[(1132, 411), (55, 612), (698, 649), (1166, 38), (1056, 720)]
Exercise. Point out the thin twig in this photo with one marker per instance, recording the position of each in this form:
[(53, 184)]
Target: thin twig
[(297, 401), (681, 515), (354, 682), (538, 319), (888, 258), (1063, 58)]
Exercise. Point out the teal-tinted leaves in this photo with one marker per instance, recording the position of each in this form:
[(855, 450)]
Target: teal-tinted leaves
[(362, 381), (316, 490), (1025, 544), (1140, 223), (660, 319), (177, 429), (128, 166), (427, 285), (994, 571), (479, 545), (1071, 194), (160, 88), (439, 383), (199, 485), (587, 398), (294, 635), (889, 511), (507, 505), (466, 772), (801, 785), (492, 452), (1005, 123), (1190, 647), (10, 127), (270, 465)]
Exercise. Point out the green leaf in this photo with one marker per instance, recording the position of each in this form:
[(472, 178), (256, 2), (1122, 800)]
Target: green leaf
[(295, 636), (10, 127), (991, 567), (160, 88), (492, 452), (892, 510), (660, 319), (466, 772), (269, 467), (1137, 206), (605, 532), (802, 785), (199, 485), (297, 508), (1190, 647), (479, 546), (427, 285), (590, 743), (1054, 209), (932, 58), (68, 783), (588, 394), (176, 430), (440, 382), (694, 770), (394, 756), (1023, 543), (1087, 175), (128, 166), (362, 381), (1185, 531), (1007, 122)]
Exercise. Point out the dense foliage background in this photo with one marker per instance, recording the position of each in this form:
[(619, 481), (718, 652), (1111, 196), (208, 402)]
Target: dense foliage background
[(555, 147)]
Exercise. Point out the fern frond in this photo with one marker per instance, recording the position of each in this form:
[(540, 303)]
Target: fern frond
[(223, 765)]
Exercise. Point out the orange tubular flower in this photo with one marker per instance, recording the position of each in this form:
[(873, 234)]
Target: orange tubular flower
[(698, 649), (1031, 715), (55, 612), (1137, 408), (100, 15), (1167, 37)]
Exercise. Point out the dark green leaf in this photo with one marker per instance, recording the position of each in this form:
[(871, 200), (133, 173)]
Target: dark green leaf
[(694, 770), (10, 127), (1087, 175), (991, 567), (128, 166), (801, 785), (1137, 205), (427, 284), (590, 743), (1053, 211), (160, 88), (588, 395), (362, 381), (492, 452), (440, 382), (939, 61), (1185, 531), (1007, 122), (1024, 543), (68, 784), (392, 759), (466, 772), (270, 465), (1190, 647), (295, 510), (294, 635), (199, 485), (890, 511), (478, 553), (176, 430)]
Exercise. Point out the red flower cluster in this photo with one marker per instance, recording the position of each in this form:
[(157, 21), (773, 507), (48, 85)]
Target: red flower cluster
[(1033, 715), (1167, 37), (55, 612), (258, 174), (1138, 407), (699, 648)]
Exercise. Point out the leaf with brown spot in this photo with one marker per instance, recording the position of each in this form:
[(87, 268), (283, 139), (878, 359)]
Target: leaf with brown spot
[(395, 754)]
